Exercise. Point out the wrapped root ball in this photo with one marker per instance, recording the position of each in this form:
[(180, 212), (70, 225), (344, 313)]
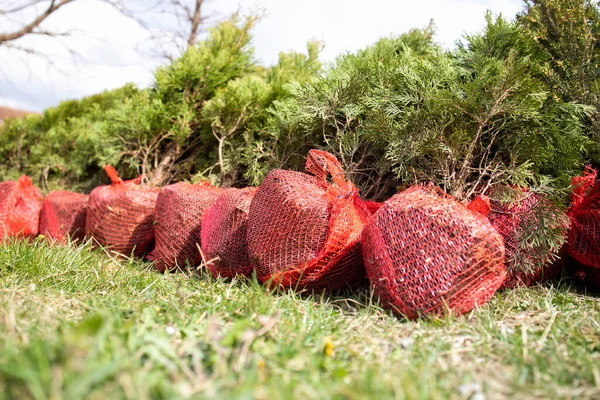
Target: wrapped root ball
[(304, 231), (178, 213), (534, 230), (63, 216), (20, 206), (583, 243), (427, 254), (120, 216), (224, 234)]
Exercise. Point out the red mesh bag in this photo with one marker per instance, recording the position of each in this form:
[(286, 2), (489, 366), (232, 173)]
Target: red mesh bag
[(373, 206), (525, 265), (584, 234), (20, 204), (178, 212), (121, 216), (304, 232), (583, 243), (224, 233), (63, 216), (425, 254)]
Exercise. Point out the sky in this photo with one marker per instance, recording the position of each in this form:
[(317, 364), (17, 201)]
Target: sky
[(112, 50)]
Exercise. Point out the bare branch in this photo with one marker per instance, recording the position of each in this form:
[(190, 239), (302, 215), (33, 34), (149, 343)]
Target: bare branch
[(21, 7), (29, 28), (50, 33), (195, 20)]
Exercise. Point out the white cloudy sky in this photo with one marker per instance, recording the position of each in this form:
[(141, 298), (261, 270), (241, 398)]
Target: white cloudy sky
[(110, 45)]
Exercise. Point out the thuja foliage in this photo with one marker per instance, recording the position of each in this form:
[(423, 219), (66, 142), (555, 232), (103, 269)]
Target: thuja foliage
[(565, 35), (64, 147), (404, 111), (205, 108), (197, 119), (513, 104)]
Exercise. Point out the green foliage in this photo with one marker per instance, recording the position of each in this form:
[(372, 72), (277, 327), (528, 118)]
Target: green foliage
[(205, 107), (512, 103), (331, 112), (65, 146), (565, 35), (164, 132), (166, 127), (195, 76), (403, 111), (542, 227), (534, 127)]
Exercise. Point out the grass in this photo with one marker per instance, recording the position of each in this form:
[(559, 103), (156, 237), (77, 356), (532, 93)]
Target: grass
[(75, 324)]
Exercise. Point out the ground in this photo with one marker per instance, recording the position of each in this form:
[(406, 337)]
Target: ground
[(75, 323)]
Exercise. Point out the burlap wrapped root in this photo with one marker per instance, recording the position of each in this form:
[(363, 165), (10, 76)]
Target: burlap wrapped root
[(427, 254), (583, 243), (63, 216), (20, 205), (517, 219), (179, 210), (120, 216), (224, 234), (304, 232)]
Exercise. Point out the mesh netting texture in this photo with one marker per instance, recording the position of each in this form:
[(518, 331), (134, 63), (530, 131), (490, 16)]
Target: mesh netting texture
[(224, 234), (426, 254), (20, 205), (373, 206), (121, 216), (63, 216), (304, 232), (178, 212), (525, 265), (583, 242)]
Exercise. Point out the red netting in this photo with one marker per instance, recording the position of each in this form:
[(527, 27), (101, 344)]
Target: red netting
[(20, 204), (481, 205), (373, 206), (525, 265), (582, 184), (584, 234), (179, 210), (224, 230), (120, 216), (425, 254), (63, 216), (304, 232)]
